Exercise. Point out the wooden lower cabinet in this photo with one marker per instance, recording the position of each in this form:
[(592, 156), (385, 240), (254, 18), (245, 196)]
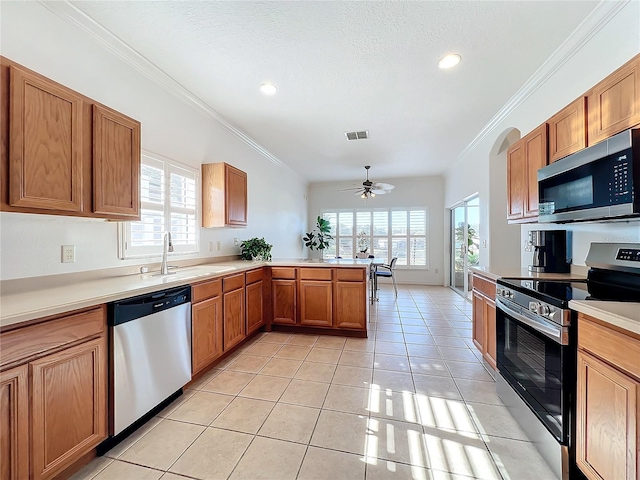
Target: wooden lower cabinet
[(255, 306), (206, 333), (68, 406), (484, 318), (489, 351), (351, 305), (234, 320), (607, 421), (283, 293), (14, 424), (316, 303), (478, 320)]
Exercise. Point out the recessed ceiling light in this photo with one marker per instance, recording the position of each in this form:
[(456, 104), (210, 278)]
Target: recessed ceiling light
[(449, 61), (268, 88)]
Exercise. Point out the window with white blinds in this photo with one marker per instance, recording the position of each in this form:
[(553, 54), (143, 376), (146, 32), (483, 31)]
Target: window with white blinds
[(389, 233), (168, 202)]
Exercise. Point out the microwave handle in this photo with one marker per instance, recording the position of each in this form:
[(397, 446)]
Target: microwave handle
[(547, 330)]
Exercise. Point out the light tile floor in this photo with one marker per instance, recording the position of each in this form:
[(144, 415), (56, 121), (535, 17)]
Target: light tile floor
[(414, 401)]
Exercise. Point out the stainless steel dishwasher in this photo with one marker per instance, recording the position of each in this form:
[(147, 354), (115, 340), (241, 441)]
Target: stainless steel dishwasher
[(151, 352)]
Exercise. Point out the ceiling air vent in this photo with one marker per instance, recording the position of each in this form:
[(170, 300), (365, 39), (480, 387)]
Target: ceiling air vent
[(362, 135)]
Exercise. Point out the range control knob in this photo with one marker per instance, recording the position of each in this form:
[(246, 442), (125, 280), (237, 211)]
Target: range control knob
[(499, 292), (544, 310), (508, 293)]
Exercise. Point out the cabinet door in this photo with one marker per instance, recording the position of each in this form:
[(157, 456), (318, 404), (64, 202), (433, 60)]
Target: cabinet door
[(14, 424), (206, 333), (490, 348), (614, 104), (255, 307), (283, 293), (45, 167), (536, 157), (478, 321), (116, 163), (516, 186), (234, 321), (351, 305), (236, 196), (607, 429), (316, 305), (68, 406), (568, 130)]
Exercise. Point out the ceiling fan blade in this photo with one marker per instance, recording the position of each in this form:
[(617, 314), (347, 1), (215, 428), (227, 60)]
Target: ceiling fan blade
[(383, 186), (359, 192), (379, 192), (348, 189)]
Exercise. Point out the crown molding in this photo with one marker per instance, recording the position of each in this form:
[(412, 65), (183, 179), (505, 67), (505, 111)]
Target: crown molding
[(123, 51), (591, 25)]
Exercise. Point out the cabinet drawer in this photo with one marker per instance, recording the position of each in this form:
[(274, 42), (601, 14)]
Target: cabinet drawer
[(484, 286), (622, 351), (233, 282), (254, 276), (35, 340), (283, 273), (350, 274), (202, 291), (315, 274)]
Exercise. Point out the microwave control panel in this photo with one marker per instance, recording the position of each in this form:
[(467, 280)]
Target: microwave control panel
[(629, 254), (619, 186)]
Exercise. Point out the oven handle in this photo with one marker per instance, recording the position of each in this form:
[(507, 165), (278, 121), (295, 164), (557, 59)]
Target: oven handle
[(547, 330)]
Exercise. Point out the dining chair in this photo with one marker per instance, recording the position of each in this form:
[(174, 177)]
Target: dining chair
[(386, 270)]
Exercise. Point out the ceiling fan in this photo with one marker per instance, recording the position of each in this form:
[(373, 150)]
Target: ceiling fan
[(370, 189)]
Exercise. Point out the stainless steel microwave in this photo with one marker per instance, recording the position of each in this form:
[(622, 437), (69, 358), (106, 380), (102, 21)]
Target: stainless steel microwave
[(601, 182)]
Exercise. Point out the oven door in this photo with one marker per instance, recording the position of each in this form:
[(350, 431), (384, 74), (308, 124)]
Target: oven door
[(534, 358)]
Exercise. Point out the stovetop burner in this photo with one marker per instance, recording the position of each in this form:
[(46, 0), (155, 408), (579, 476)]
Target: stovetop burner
[(557, 293)]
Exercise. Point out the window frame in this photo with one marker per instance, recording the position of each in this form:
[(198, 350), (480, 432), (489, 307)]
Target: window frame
[(389, 237), (168, 166)]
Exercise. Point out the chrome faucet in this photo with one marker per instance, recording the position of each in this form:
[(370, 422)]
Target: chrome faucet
[(167, 247)]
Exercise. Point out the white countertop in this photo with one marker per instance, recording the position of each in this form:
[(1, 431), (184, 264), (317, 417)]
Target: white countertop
[(625, 315), (517, 272), (33, 304)]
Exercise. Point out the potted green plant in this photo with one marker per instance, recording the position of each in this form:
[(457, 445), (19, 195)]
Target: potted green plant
[(362, 240), (320, 237), (255, 249)]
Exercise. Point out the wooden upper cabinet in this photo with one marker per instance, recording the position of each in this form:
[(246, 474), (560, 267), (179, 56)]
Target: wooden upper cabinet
[(607, 421), (536, 156), (14, 424), (568, 130), (515, 181), (206, 333), (68, 405), (45, 146), (524, 159), (316, 303), (116, 163), (614, 103), (224, 196)]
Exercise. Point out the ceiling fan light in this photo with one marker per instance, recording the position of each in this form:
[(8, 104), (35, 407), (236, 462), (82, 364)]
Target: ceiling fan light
[(364, 195), (373, 194)]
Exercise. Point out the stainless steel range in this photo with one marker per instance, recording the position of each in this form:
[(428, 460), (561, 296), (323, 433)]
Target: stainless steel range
[(537, 346)]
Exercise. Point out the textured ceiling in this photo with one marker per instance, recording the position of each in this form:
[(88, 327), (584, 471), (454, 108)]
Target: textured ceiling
[(344, 66)]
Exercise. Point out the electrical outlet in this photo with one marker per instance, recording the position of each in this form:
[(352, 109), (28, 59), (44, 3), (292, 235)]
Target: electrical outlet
[(235, 241), (527, 247), (68, 254), (211, 246), (218, 245), (484, 244)]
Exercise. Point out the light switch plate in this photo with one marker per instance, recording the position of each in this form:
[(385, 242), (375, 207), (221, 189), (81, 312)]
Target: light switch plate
[(68, 254)]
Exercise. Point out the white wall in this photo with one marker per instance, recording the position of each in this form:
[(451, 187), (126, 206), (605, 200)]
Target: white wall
[(409, 192), (40, 40), (478, 171)]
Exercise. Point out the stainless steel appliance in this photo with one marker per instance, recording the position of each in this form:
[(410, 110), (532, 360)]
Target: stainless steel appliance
[(151, 352), (550, 248), (537, 346), (599, 182)]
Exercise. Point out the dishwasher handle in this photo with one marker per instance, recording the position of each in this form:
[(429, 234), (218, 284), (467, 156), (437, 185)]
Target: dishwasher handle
[(133, 308)]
